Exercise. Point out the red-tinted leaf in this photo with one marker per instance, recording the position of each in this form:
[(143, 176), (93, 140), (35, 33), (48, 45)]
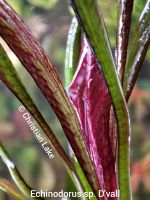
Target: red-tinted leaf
[(140, 41), (124, 22), (92, 102), (33, 57)]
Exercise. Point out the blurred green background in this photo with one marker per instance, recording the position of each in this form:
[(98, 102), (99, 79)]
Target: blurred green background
[(49, 21)]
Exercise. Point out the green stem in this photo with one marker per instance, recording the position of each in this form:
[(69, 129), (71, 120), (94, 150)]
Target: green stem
[(18, 179)]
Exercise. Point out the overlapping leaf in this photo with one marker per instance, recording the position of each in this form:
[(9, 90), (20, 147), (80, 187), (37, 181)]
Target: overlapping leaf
[(18, 36), (91, 19), (140, 41), (125, 8), (90, 97), (9, 76), (71, 63)]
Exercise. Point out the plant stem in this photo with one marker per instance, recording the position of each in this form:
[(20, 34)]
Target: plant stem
[(18, 179)]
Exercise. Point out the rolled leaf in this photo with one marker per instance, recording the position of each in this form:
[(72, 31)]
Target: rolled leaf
[(125, 8), (20, 39), (90, 96), (71, 62), (140, 41), (91, 20)]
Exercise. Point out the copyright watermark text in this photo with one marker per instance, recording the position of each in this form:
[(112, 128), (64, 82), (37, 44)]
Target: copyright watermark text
[(35, 130)]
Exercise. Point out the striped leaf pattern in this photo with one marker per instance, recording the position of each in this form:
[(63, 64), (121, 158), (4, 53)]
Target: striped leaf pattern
[(20, 39)]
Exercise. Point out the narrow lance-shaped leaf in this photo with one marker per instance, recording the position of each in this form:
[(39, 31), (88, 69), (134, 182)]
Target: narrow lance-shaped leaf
[(9, 188), (91, 19), (140, 41), (71, 62), (20, 39), (9, 76), (90, 96), (125, 8), (21, 184)]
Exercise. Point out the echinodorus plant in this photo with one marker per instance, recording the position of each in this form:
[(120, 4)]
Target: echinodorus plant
[(92, 105)]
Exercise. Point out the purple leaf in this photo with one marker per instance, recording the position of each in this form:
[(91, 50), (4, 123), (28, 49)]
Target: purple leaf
[(90, 97)]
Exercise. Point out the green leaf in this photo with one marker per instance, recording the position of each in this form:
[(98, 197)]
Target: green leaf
[(84, 180), (140, 41), (91, 19)]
